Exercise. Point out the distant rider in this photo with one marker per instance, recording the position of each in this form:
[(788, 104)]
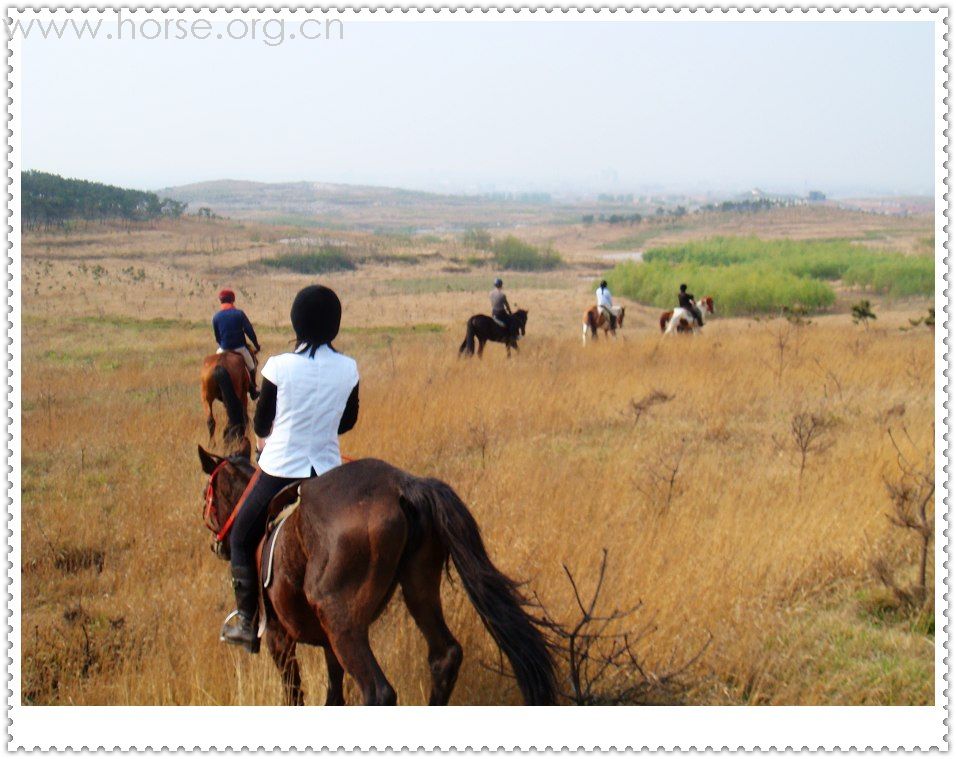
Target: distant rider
[(231, 326), (500, 309), (605, 304), (309, 398), (689, 303)]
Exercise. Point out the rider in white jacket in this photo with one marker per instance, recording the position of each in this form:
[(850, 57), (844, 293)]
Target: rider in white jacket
[(604, 303)]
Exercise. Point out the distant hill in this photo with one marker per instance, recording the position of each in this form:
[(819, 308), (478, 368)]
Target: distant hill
[(231, 197), (52, 199)]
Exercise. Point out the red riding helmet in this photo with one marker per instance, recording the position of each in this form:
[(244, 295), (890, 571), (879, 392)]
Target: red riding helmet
[(227, 296)]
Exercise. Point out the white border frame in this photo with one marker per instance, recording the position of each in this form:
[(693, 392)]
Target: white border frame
[(524, 728)]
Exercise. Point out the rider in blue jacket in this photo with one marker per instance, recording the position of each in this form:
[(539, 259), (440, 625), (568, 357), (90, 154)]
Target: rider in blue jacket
[(231, 326)]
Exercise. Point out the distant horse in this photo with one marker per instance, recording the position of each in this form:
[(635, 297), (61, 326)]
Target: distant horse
[(359, 531), (484, 328), (682, 321), (595, 318), (225, 378)]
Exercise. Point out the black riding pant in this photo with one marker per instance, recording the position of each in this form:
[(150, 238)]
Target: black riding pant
[(506, 319), (253, 510)]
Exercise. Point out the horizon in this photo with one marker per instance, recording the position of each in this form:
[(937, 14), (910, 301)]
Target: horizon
[(555, 196), (568, 107)]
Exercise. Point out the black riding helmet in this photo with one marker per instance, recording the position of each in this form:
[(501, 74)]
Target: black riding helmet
[(603, 283), (316, 316), (683, 288)]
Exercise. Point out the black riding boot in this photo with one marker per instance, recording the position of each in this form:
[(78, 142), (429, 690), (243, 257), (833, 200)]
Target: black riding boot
[(240, 627), (253, 391)]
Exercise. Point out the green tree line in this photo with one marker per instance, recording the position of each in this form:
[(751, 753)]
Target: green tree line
[(52, 199)]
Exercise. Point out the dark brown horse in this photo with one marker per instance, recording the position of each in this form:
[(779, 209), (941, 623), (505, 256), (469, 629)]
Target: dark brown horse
[(595, 319), (484, 328), (225, 378), (360, 530)]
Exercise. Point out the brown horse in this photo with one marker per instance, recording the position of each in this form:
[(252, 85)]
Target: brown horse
[(686, 323), (225, 378), (595, 319), (359, 531)]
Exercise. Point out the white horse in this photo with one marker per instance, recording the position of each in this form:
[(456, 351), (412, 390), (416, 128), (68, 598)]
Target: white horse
[(682, 321)]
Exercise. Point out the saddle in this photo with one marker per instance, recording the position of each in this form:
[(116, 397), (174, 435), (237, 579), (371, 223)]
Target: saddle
[(498, 321), (282, 506)]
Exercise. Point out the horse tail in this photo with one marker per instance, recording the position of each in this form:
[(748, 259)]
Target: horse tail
[(665, 317), (237, 418), (593, 322), (468, 344), (495, 596)]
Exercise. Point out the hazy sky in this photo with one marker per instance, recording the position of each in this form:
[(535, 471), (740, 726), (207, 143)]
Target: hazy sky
[(843, 107)]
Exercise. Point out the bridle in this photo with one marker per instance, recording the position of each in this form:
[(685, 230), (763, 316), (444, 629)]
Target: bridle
[(209, 510)]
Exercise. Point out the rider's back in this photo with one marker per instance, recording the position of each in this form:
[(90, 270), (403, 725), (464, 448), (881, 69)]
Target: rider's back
[(230, 328), (311, 395), (499, 302)]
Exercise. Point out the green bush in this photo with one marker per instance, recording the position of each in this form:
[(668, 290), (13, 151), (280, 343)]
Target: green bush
[(320, 260), (748, 275), (512, 253), (891, 273), (741, 289), (909, 275)]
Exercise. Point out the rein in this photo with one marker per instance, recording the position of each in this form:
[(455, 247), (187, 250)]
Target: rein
[(208, 509)]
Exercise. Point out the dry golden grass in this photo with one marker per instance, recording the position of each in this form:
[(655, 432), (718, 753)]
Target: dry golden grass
[(123, 601)]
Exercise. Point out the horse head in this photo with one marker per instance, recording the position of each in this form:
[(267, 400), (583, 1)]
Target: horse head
[(228, 477), (620, 317), (708, 303), (521, 319)]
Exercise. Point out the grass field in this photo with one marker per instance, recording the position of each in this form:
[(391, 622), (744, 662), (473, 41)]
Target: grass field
[(698, 498), (759, 276)]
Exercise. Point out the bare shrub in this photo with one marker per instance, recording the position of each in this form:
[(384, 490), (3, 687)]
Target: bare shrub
[(605, 666), (911, 491), (653, 398), (786, 335), (862, 313), (661, 481), (808, 434), (830, 377)]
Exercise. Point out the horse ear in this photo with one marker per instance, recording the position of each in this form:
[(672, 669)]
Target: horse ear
[(208, 460)]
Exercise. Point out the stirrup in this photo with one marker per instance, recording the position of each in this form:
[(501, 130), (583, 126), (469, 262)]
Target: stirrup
[(251, 644)]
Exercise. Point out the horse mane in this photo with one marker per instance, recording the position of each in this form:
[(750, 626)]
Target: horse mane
[(240, 460)]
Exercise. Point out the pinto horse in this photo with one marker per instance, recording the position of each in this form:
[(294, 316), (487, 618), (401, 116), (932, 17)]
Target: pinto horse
[(359, 531), (595, 318), (484, 328), (684, 323), (225, 378)]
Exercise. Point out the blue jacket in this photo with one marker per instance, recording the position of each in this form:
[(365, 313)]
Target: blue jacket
[(231, 326)]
